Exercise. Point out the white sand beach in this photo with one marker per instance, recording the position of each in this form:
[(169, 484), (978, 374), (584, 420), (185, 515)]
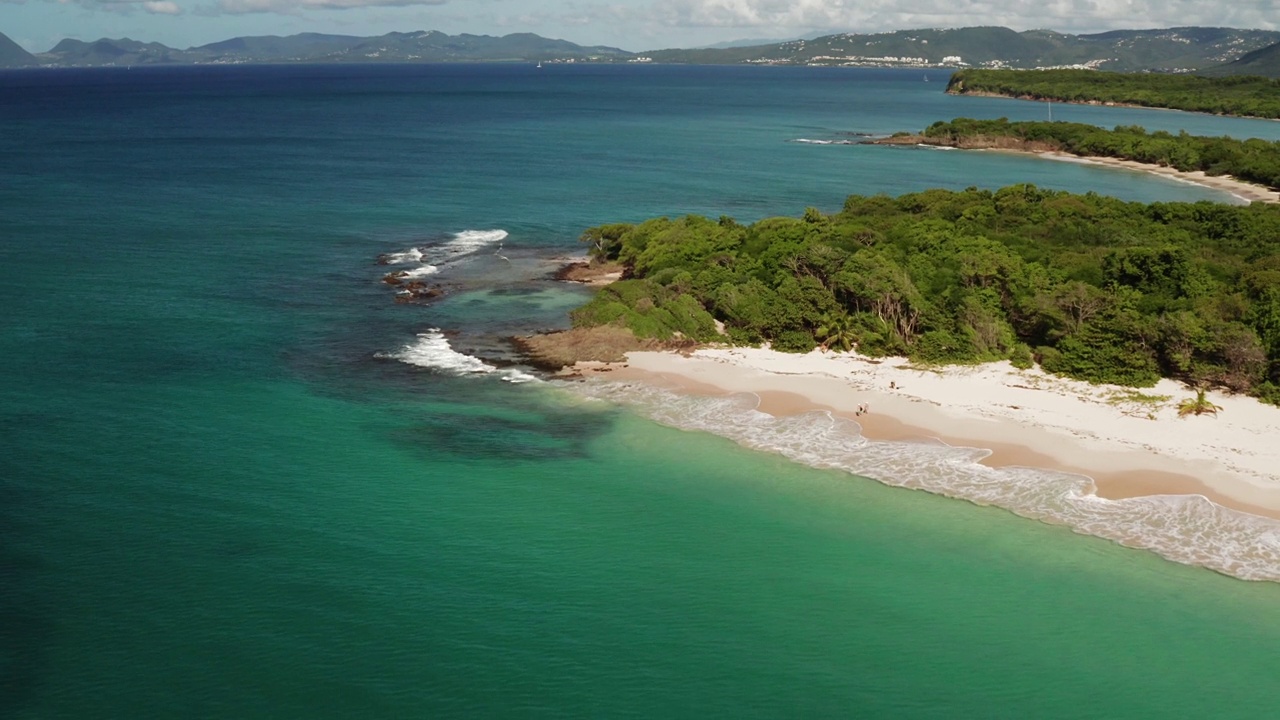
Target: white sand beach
[(1245, 191), (1185, 487)]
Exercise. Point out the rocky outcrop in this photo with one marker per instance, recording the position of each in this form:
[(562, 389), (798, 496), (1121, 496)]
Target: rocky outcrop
[(591, 273), (976, 142)]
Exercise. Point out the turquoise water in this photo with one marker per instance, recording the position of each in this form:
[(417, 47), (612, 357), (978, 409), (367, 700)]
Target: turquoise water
[(235, 482)]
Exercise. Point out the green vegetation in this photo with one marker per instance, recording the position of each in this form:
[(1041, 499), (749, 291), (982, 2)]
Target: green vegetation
[(1089, 286), (1253, 160), (1199, 405), (1239, 95)]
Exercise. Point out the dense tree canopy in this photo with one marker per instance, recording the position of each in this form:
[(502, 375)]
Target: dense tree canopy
[(1234, 95), (1091, 287), (1252, 160)]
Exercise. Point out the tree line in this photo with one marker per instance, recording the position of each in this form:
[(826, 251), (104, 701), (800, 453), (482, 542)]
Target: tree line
[(1090, 287), (1253, 159), (1244, 95)]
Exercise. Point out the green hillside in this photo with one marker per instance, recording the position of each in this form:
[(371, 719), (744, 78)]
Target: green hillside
[(1264, 61)]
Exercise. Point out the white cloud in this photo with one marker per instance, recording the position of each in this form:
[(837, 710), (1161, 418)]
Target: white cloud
[(287, 7), (126, 7)]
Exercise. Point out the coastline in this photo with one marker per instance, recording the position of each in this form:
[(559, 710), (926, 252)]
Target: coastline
[(1246, 192), (1099, 103), (1118, 446)]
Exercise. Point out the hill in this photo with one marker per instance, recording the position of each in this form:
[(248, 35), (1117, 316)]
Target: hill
[(111, 52), (1168, 50), (428, 46), (12, 54), (1263, 61)]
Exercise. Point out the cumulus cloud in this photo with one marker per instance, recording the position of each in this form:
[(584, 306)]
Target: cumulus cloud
[(286, 7), (161, 7)]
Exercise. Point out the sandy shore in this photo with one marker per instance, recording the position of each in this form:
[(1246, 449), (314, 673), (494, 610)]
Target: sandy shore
[(1245, 191), (1130, 444)]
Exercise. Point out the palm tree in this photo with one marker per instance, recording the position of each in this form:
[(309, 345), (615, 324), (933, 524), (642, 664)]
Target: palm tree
[(835, 330), (1200, 405)]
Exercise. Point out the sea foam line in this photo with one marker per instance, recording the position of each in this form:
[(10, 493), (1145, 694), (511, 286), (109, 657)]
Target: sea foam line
[(1188, 529), (810, 141)]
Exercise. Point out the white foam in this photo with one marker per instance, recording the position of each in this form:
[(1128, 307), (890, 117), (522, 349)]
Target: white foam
[(462, 244), (512, 375), (809, 141), (1185, 529), (469, 241), (432, 350), (411, 255), (421, 272)]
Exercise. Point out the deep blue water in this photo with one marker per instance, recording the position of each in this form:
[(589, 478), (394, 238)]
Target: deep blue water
[(224, 494)]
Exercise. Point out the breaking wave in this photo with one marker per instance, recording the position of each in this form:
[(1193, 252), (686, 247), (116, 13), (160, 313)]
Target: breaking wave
[(433, 351), (469, 241), (1187, 529), (421, 272), (412, 255), (809, 141), (430, 258)]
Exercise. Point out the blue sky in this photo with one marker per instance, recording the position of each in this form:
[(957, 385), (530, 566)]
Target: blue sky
[(630, 24)]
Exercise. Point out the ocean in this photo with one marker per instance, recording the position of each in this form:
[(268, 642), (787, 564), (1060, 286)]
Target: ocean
[(239, 480)]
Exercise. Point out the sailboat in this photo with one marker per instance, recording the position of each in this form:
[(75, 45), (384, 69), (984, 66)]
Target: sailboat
[(539, 63)]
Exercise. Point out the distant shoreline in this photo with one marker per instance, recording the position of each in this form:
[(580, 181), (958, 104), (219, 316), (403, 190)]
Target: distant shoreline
[(1100, 103), (1245, 191)]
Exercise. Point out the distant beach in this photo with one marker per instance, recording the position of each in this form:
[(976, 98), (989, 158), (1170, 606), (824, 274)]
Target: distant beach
[(1246, 191)]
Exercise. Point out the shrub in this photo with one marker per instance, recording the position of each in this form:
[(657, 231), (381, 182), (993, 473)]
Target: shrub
[(794, 341), (1020, 356)]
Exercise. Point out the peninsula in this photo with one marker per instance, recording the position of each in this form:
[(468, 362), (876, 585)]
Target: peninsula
[(1249, 168)]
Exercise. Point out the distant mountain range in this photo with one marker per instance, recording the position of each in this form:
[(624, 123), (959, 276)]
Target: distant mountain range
[(1171, 50), (1187, 49), (427, 47)]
